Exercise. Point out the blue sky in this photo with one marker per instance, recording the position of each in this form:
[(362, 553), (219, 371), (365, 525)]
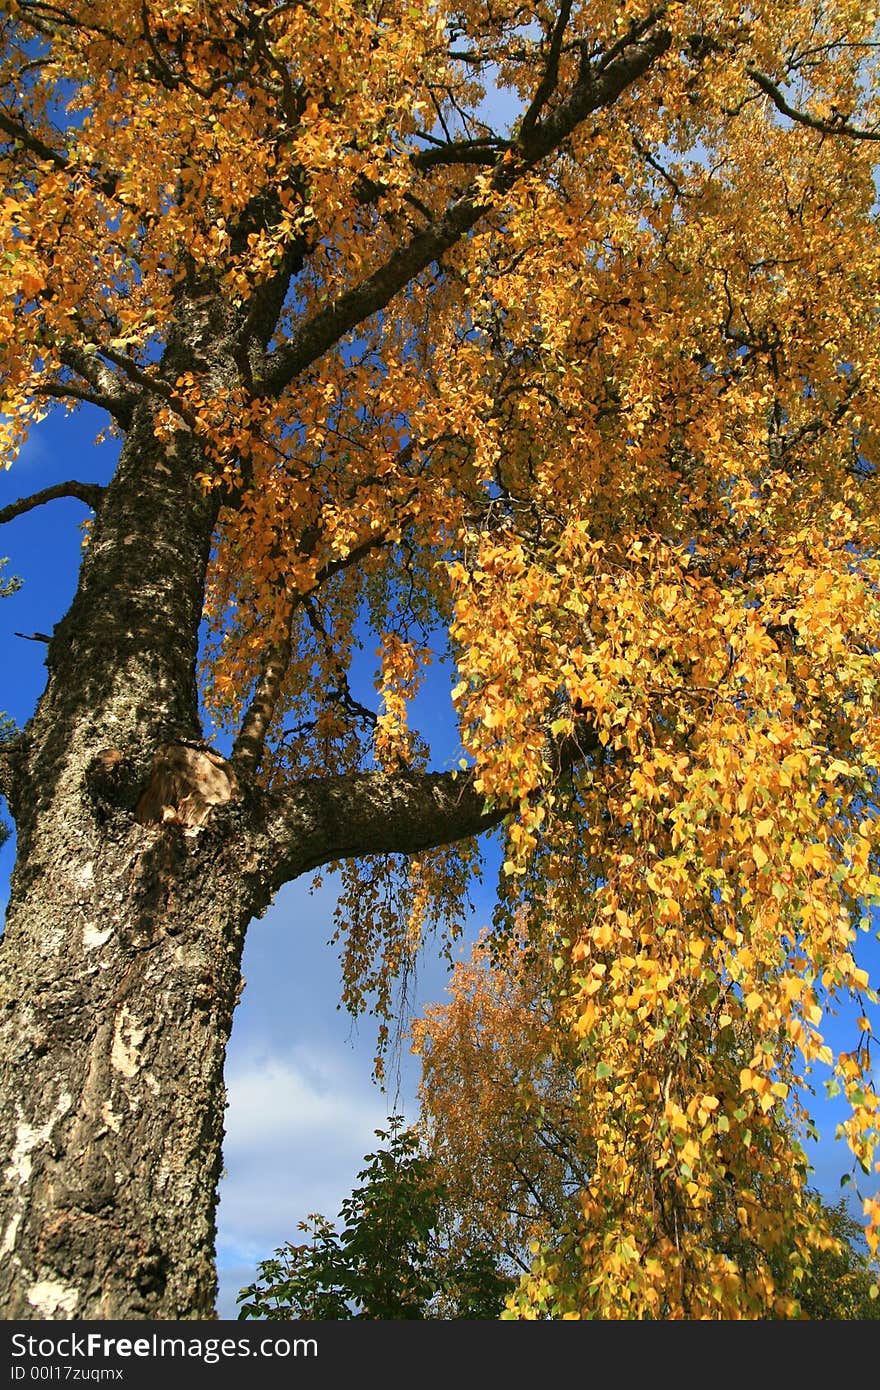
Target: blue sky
[(303, 1108)]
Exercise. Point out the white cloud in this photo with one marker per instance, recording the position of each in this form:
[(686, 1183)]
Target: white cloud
[(303, 1109), (298, 1127)]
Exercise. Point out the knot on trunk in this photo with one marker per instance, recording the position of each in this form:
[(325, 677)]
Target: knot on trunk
[(112, 781), (185, 784)]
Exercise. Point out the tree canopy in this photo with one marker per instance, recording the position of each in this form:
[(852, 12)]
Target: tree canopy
[(534, 345)]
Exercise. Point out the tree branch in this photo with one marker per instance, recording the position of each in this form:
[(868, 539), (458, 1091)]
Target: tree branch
[(68, 390), (328, 818), (29, 141), (484, 152), (104, 181), (548, 82), (313, 822), (150, 382), (110, 390), (250, 743), (247, 751), (594, 89), (839, 125), (89, 493)]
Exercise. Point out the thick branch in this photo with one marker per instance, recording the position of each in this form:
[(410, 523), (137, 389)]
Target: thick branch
[(551, 74), (314, 822), (594, 89), (89, 493), (110, 391), (484, 152), (327, 818), (61, 390)]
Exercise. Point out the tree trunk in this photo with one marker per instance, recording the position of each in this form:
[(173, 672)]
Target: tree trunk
[(121, 972), (122, 945)]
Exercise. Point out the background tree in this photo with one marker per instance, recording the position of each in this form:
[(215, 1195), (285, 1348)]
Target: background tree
[(391, 1259), (519, 1153), (586, 406), (839, 1283)]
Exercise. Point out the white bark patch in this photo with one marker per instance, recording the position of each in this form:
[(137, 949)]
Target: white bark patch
[(29, 1137), (86, 875), (53, 1299), (127, 1038), (93, 938), (110, 1118), (9, 1235)]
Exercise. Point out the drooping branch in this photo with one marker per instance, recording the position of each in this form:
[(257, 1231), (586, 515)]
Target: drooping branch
[(597, 86), (89, 493)]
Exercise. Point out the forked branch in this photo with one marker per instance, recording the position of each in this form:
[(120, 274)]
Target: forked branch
[(249, 746), (595, 87)]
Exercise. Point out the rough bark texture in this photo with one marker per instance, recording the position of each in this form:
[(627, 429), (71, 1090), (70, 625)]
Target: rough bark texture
[(121, 976), (122, 943)]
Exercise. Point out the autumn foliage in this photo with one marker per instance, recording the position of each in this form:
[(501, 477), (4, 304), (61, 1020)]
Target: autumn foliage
[(609, 1192), (582, 413)]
